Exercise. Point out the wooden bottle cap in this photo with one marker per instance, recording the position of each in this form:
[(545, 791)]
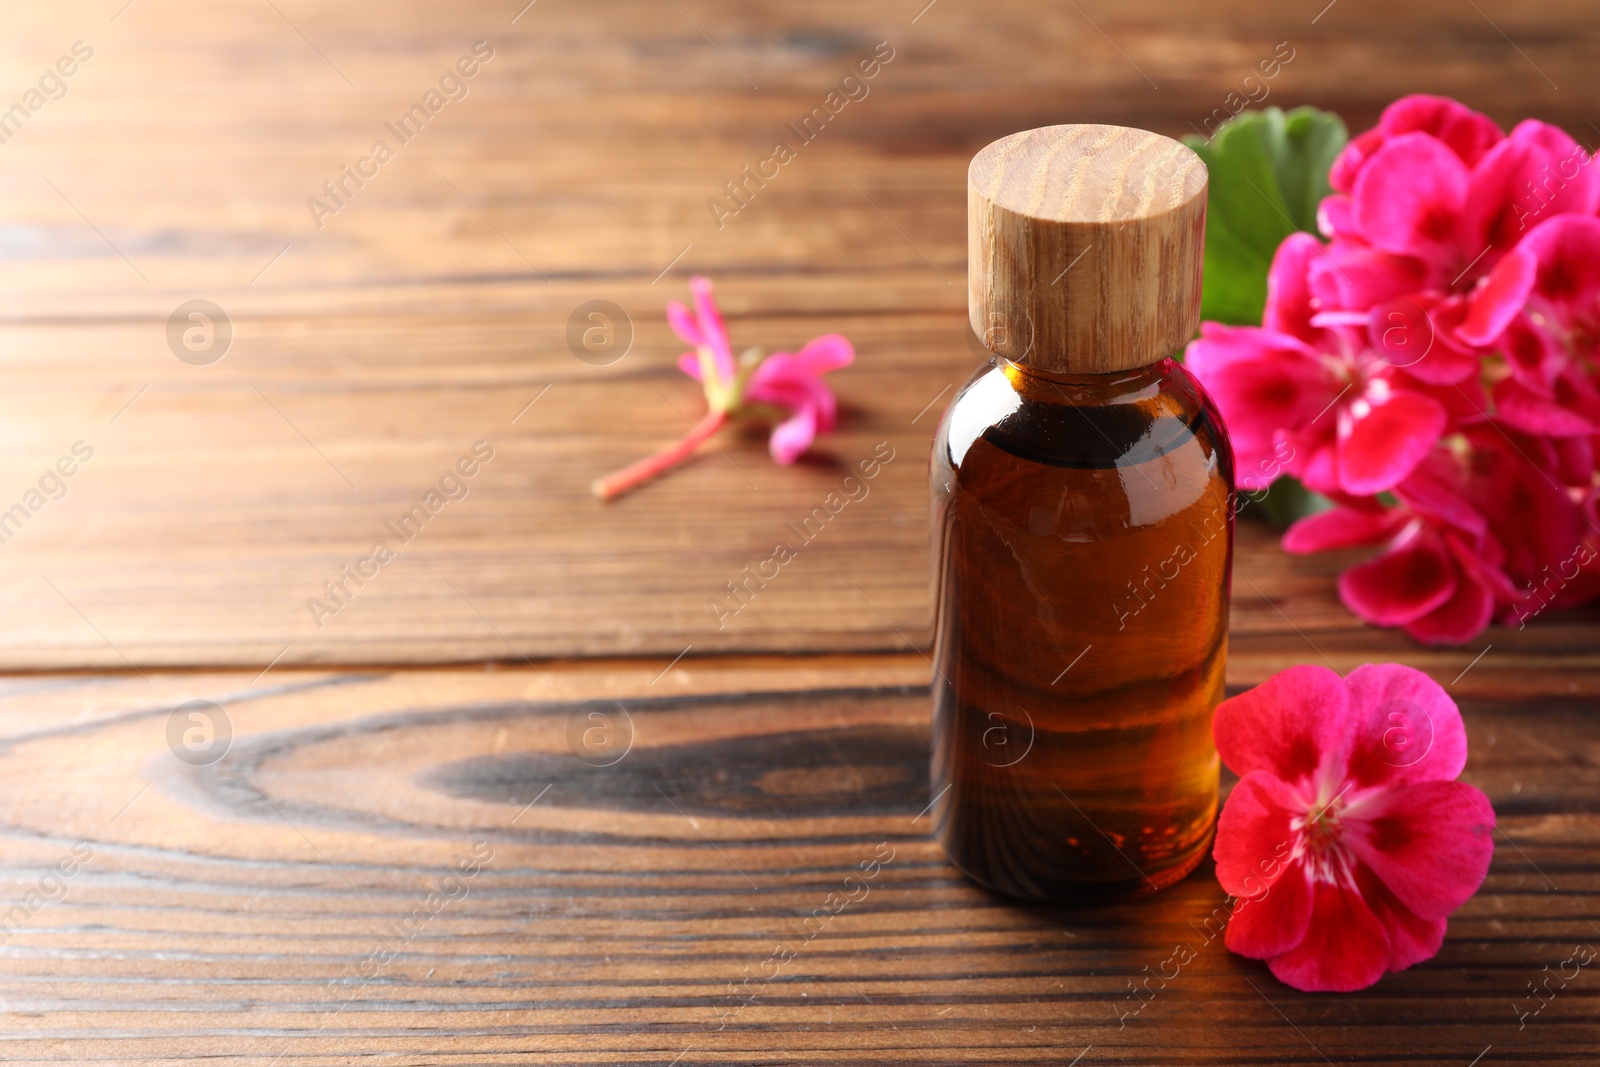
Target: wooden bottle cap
[(1085, 246)]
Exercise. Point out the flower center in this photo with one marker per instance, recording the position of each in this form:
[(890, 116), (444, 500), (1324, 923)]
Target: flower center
[(1319, 837)]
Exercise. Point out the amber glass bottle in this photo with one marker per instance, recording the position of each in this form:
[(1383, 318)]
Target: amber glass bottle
[(1083, 527)]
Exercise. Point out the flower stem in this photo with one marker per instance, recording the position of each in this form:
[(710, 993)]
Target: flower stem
[(636, 474)]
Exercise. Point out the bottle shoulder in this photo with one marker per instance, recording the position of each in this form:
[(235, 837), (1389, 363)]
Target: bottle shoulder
[(1087, 422)]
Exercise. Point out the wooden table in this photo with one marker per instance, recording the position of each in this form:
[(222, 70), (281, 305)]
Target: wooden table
[(400, 856)]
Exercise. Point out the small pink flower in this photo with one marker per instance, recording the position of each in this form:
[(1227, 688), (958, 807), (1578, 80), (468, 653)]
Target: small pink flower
[(785, 388), (791, 381), (1348, 840)]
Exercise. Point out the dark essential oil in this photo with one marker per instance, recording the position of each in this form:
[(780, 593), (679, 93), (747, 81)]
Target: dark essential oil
[(1083, 529)]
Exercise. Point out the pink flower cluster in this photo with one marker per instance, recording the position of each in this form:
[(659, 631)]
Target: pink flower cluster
[(1433, 370)]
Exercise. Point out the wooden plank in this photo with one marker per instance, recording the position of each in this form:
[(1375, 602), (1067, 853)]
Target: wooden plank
[(274, 906), (428, 312)]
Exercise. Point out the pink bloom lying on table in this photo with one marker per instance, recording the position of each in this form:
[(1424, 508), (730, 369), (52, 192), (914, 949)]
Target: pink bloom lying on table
[(1434, 370), (1348, 840), (785, 388)]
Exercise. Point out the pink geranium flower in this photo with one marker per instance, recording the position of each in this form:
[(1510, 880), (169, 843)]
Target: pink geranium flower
[(1466, 132), (784, 388), (1327, 392), (1439, 187), (1551, 349), (1438, 581), (1480, 531), (1348, 840), (1430, 204)]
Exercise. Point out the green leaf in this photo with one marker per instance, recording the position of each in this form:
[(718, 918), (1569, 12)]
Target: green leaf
[(1284, 501), (1268, 172)]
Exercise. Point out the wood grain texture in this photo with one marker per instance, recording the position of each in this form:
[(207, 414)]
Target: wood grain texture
[(274, 906), (1085, 247), (370, 353)]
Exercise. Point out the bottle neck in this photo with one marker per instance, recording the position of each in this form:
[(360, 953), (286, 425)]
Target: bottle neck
[(1078, 387)]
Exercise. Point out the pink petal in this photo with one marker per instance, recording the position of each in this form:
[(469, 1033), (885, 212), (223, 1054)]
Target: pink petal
[(1435, 491), (1288, 309), (1535, 414), (1468, 133), (1336, 217), (1411, 939), (1447, 360), (1313, 459), (689, 363), (712, 329), (1342, 528), (1534, 355), (1219, 347), (1261, 381), (1378, 449), (1467, 401), (1355, 276), (683, 324), (782, 381), (1567, 184), (1495, 216), (1480, 565), (1460, 619), (1252, 850), (825, 353), (1429, 842), (1567, 248), (793, 436), (1409, 197), (1403, 584), (1346, 948), (1403, 728), (1342, 175), (1575, 460), (1500, 298), (1537, 522), (1401, 331), (1284, 725), (1536, 174)]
